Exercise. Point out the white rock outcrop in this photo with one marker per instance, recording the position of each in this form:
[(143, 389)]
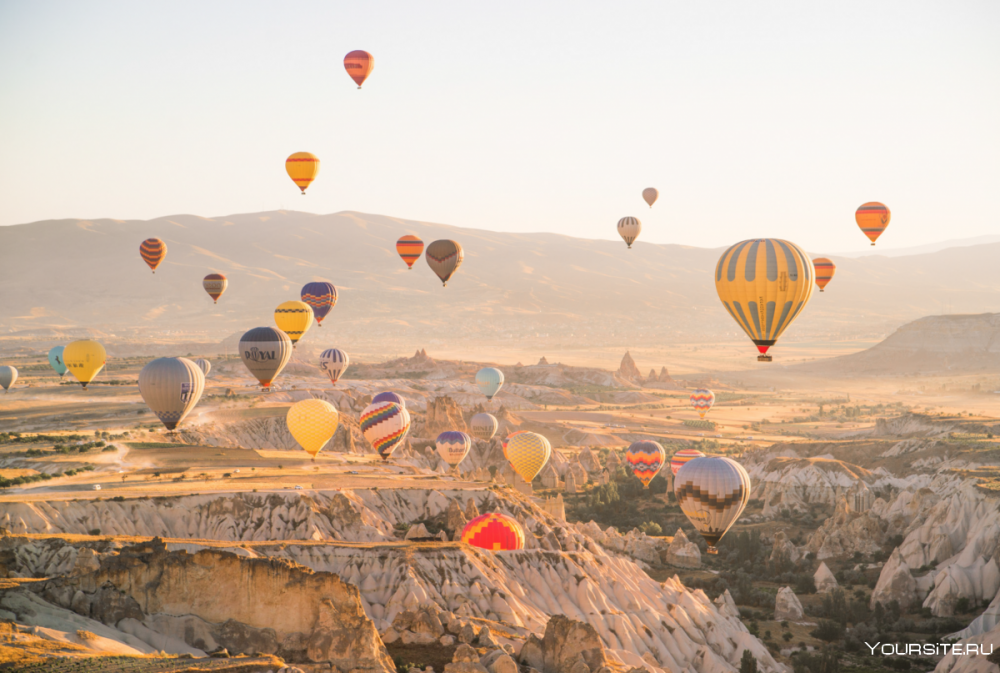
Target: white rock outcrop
[(787, 606), (825, 581)]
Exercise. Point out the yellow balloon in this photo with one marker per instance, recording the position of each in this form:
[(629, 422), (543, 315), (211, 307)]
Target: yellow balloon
[(528, 452), (302, 168), (294, 318), (84, 359), (764, 283), (312, 424)]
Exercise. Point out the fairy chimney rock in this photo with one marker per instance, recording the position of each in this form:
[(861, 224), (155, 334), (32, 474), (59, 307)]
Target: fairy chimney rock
[(628, 370)]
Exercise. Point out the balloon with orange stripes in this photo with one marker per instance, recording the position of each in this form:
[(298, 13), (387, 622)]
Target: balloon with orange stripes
[(824, 271), (302, 168), (873, 218), (495, 532), (359, 64), (153, 250)]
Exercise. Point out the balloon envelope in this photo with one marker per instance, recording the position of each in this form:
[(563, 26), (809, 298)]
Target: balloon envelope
[(702, 400), (409, 248), (215, 284), (649, 195), (388, 396), (495, 532), (359, 64), (153, 250), (824, 271), (312, 424), (171, 387), (294, 318), (204, 365), (265, 351), (84, 359), (321, 297), (873, 217), (484, 426), (629, 229), (56, 360), (8, 375), (489, 380), (384, 425), (712, 492), (764, 283), (444, 257), (683, 456), (334, 362), (528, 452), (646, 458), (302, 168), (453, 446)]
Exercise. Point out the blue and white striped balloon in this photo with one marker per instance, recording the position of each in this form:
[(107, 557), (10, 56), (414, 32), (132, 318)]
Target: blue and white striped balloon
[(334, 362)]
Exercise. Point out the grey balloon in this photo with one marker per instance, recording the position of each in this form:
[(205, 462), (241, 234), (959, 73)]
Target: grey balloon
[(484, 426), (8, 375), (171, 388), (265, 352), (204, 365)]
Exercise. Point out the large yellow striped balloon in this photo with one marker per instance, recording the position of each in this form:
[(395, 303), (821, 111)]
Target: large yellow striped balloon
[(294, 318), (312, 424), (528, 452), (764, 283), (84, 360), (302, 168)]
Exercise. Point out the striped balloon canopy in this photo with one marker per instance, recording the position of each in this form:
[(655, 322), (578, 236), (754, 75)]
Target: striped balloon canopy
[(764, 283), (872, 218), (215, 284), (409, 248), (153, 250), (359, 64), (629, 229), (302, 168), (528, 452), (495, 532), (683, 456), (824, 271), (294, 318), (171, 387), (389, 396), (645, 457), (712, 492), (702, 400), (321, 298), (334, 362), (453, 446), (444, 257), (384, 425)]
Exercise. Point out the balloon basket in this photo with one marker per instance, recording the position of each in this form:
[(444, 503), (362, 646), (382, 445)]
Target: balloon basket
[(712, 550), (763, 357)]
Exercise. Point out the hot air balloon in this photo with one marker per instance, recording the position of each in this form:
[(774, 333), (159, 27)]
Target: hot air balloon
[(56, 360), (204, 365), (265, 352), (453, 446), (649, 195), (321, 297), (494, 532), (712, 492), (153, 250), (645, 457), (302, 168), (384, 425), (764, 283), (334, 362), (312, 424), (528, 452), (683, 456), (409, 248), (484, 426), (215, 284), (702, 400), (444, 257), (873, 218), (294, 318), (489, 380), (8, 375), (388, 396), (171, 387), (84, 360), (824, 271), (506, 441), (359, 64), (629, 229)]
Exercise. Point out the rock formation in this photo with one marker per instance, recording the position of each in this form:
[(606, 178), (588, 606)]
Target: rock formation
[(847, 531), (682, 552), (443, 413), (787, 606), (784, 547), (895, 583), (825, 581), (568, 646), (628, 370)]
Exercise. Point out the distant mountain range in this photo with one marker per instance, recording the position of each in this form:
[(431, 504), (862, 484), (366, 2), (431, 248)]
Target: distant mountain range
[(73, 275), (922, 249)]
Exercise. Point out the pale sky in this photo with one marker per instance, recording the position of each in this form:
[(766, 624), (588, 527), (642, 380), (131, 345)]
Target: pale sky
[(751, 118)]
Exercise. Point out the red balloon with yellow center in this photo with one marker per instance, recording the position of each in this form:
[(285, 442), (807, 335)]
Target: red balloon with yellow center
[(495, 532)]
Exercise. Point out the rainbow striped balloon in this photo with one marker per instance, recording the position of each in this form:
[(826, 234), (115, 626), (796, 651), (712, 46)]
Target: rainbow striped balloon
[(873, 218), (384, 425), (684, 456), (824, 271), (702, 400), (321, 297), (410, 248), (495, 532), (645, 457)]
